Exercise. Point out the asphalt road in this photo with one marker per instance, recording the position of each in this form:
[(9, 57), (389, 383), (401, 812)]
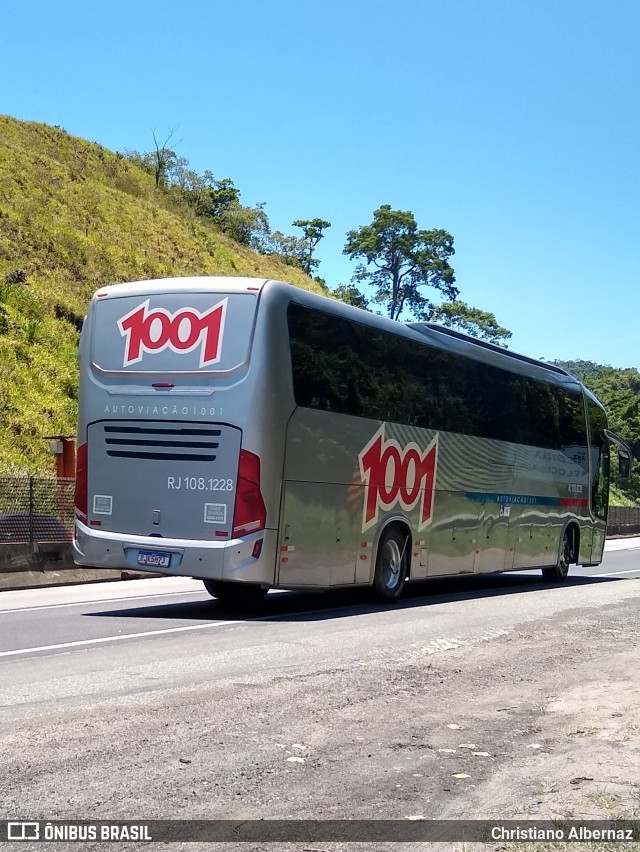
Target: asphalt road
[(41, 622), (120, 639), (473, 696)]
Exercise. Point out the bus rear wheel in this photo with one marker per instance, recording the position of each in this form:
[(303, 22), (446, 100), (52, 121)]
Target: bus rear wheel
[(558, 573), (392, 565), (241, 595)]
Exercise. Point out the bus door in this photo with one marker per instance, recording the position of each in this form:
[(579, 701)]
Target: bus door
[(599, 498), (599, 473)]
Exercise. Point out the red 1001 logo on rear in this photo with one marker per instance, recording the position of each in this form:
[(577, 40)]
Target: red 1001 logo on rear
[(397, 476), (182, 331)]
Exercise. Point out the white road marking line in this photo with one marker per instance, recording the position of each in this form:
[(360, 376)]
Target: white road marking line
[(615, 573), (83, 642), (107, 601), (613, 544)]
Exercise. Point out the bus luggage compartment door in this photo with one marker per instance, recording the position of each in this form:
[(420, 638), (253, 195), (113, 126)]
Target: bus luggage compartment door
[(317, 544), (164, 479), (494, 554)]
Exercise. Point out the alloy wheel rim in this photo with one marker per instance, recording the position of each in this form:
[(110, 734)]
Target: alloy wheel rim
[(392, 564)]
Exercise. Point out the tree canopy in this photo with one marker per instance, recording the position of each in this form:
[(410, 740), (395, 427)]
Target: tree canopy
[(401, 260), (312, 230)]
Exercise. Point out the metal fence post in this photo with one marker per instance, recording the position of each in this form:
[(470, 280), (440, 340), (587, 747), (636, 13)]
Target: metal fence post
[(31, 513)]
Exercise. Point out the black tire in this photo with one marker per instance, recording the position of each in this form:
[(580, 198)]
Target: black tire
[(559, 573), (392, 565), (237, 595)]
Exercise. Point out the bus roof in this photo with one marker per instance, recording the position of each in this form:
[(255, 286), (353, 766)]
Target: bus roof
[(425, 327), (191, 283)]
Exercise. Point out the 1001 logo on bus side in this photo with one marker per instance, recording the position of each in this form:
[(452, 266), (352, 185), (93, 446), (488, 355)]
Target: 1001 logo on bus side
[(397, 476)]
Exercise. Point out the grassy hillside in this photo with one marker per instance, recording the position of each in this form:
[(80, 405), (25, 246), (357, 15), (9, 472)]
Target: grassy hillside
[(74, 217)]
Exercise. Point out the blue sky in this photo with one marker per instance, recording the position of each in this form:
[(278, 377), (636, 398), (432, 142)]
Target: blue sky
[(512, 124)]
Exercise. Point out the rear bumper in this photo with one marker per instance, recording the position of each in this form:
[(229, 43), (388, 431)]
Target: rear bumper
[(206, 560)]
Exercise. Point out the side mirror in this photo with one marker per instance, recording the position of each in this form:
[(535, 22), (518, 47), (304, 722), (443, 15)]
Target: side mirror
[(624, 452), (624, 464)]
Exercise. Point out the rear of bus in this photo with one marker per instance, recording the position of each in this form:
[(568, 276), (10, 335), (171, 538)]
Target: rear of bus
[(180, 440)]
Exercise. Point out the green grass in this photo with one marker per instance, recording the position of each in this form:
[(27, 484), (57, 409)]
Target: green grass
[(74, 217)]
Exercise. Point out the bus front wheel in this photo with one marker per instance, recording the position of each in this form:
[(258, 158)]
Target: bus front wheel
[(235, 594), (558, 573), (392, 565)]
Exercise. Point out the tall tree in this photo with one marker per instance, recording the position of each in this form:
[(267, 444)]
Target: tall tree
[(312, 230), (165, 158), (404, 260)]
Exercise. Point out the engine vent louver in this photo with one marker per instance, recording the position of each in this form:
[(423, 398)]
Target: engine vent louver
[(166, 443)]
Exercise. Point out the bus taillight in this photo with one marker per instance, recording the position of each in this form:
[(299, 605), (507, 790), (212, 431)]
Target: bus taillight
[(250, 513), (80, 496)]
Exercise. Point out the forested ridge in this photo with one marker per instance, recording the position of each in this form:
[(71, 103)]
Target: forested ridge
[(75, 216)]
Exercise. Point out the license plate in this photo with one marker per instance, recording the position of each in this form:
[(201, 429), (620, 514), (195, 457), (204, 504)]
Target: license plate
[(155, 558)]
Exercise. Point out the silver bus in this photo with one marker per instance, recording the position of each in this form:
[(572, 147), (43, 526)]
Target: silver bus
[(256, 436)]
